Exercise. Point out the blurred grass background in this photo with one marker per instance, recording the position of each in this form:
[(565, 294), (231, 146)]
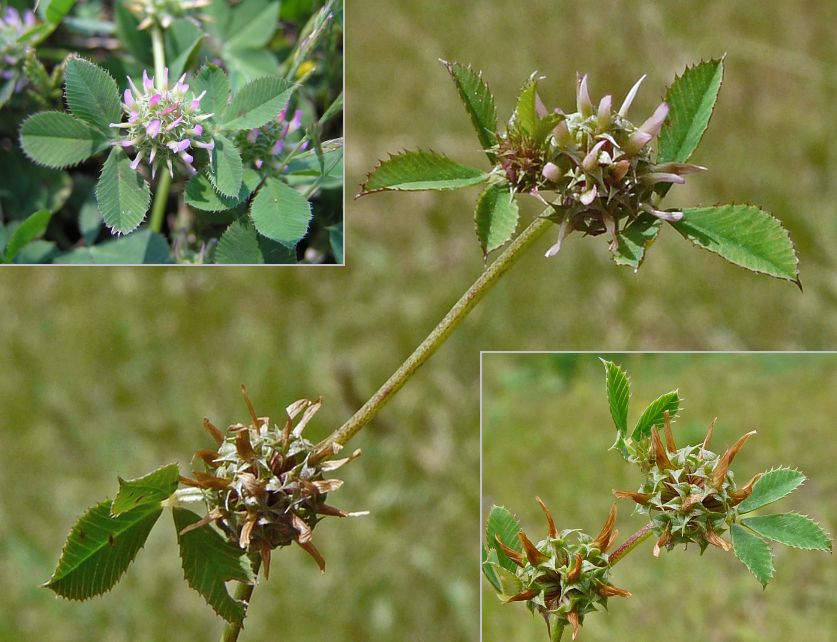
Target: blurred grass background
[(547, 430), (770, 142), (109, 372)]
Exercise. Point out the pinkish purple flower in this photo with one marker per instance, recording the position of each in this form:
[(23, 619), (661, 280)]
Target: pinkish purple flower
[(153, 128)]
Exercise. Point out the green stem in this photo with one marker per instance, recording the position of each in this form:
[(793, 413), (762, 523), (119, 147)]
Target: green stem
[(161, 193), (437, 337), (161, 196), (630, 544), (243, 593)]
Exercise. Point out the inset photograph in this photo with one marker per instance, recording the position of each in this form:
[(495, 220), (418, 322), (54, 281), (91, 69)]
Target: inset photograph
[(636, 496), (171, 132)]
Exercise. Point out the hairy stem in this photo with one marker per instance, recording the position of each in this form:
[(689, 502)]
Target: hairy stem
[(437, 337), (161, 197), (630, 544), (161, 194), (243, 593)]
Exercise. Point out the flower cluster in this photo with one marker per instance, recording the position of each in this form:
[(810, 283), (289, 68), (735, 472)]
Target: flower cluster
[(260, 487), (12, 51), (162, 123), (163, 12), (689, 493), (597, 162), (562, 579), (267, 143)]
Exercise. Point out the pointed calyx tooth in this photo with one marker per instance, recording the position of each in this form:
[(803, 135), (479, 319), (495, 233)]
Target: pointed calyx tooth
[(208, 456), (745, 491), (211, 516), (575, 572), (672, 447), (612, 591), (552, 531), (709, 432), (205, 481), (660, 455), (663, 540), (605, 535), (716, 540), (213, 431), (722, 467), (534, 556), (572, 618), (639, 498), (264, 551), (243, 445), (512, 554), (250, 407), (522, 596), (309, 548)]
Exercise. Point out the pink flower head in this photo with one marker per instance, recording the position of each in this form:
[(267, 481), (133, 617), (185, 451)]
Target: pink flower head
[(181, 86), (128, 97), (174, 123), (180, 145), (147, 83), (296, 123), (196, 103), (197, 130), (154, 100)]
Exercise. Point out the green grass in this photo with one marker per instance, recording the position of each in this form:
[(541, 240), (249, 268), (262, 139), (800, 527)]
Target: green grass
[(110, 372), (767, 144), (547, 430)]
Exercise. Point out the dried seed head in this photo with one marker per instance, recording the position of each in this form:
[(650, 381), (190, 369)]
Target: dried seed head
[(261, 489)]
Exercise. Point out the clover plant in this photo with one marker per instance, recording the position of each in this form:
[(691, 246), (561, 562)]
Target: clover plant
[(688, 495), (194, 128)]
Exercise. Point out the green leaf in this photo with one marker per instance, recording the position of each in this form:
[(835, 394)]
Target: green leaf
[(248, 64), (57, 9), (225, 169), (691, 100), (202, 195), (99, 549), (58, 140), (525, 117), (150, 489), (744, 235), (92, 94), (208, 561), (215, 83), (257, 102), (618, 393), (421, 170), (335, 241), (479, 103), (502, 523), (122, 193), (508, 581), (143, 247), (771, 487), (654, 413), (753, 552), (182, 42), (489, 562), (280, 212), (790, 529), (252, 24), (635, 239), (239, 245), (137, 42), (33, 227), (496, 216)]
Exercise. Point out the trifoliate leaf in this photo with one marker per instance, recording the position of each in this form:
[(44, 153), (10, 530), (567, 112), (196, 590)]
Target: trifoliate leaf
[(502, 524), (252, 24), (653, 415), (122, 193), (420, 170), (479, 103), (691, 100), (212, 80), (744, 235), (770, 487), (99, 550), (753, 552), (280, 212), (149, 489), (209, 561), (790, 529), (200, 193), (30, 229), (496, 216), (618, 393), (58, 140), (239, 245), (92, 94), (256, 103)]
